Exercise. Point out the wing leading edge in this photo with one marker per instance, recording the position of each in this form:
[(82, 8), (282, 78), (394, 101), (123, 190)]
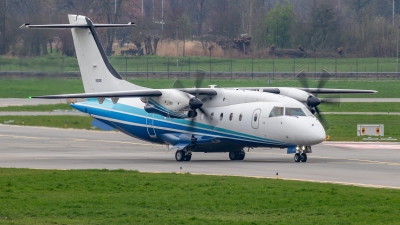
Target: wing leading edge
[(115, 94), (275, 90)]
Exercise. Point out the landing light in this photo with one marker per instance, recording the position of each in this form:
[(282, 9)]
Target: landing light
[(303, 148)]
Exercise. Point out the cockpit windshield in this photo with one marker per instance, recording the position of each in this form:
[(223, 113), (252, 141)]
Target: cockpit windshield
[(287, 111), (307, 111), (294, 112)]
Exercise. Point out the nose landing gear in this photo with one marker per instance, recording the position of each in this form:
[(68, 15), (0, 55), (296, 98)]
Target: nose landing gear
[(301, 153), (300, 157)]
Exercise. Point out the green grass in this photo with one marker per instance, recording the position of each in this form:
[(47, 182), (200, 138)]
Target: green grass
[(23, 88), (344, 127), (79, 122), (58, 63), (37, 108), (360, 107), (130, 197)]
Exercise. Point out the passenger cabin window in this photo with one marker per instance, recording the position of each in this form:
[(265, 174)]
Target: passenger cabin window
[(240, 117), (212, 116), (294, 112), (276, 111), (230, 117), (255, 117), (221, 116)]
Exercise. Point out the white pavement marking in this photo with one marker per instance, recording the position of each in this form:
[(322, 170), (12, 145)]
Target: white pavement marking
[(38, 113), (365, 146)]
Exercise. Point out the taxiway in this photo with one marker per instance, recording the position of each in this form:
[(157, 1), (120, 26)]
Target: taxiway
[(363, 164)]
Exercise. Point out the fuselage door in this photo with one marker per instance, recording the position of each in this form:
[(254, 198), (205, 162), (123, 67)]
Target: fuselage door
[(255, 118), (150, 125)]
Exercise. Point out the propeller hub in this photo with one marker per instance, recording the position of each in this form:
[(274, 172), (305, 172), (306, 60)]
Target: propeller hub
[(192, 114), (313, 101), (195, 103), (311, 110)]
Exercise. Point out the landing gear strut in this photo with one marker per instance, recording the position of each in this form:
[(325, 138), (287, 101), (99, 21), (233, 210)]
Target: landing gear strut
[(237, 155), (182, 155)]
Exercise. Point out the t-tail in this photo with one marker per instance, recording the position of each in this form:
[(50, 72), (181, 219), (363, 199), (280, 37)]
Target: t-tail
[(98, 75)]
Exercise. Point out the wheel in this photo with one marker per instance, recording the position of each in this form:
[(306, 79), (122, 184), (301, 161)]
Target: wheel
[(297, 157), (188, 158), (233, 155), (241, 156), (179, 155), (304, 157)]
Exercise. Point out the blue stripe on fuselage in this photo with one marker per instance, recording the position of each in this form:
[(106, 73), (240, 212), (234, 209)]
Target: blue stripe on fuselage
[(132, 121)]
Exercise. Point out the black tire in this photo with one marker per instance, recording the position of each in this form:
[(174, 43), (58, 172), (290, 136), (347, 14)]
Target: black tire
[(233, 155), (297, 157), (179, 155), (303, 157), (241, 156), (188, 158)]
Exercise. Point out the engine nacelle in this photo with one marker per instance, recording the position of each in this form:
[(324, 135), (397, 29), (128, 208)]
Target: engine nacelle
[(299, 95), (172, 103)]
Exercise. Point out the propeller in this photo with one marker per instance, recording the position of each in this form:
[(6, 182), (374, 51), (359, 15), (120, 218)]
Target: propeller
[(313, 101), (195, 101)]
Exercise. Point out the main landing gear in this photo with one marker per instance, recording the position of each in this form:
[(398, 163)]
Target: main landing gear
[(237, 155), (182, 155)]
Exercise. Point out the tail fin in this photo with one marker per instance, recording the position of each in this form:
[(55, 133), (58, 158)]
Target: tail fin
[(98, 75)]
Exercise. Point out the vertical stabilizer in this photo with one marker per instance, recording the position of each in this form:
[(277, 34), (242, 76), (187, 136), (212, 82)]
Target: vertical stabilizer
[(98, 75)]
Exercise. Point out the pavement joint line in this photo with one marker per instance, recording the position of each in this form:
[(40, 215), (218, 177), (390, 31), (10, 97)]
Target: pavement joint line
[(16, 136), (237, 175), (77, 139), (325, 157)]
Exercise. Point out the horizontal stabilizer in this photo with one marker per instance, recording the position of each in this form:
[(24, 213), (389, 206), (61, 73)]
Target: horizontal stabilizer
[(67, 26), (117, 94)]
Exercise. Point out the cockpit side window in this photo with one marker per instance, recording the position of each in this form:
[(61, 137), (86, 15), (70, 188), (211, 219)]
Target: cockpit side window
[(308, 113), (294, 112), (276, 111)]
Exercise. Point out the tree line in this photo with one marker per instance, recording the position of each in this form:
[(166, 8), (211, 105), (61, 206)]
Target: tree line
[(255, 28)]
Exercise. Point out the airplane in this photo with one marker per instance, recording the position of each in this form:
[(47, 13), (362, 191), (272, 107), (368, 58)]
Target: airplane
[(195, 119)]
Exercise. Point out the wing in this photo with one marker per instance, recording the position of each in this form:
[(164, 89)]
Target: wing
[(337, 91), (115, 94), (276, 90)]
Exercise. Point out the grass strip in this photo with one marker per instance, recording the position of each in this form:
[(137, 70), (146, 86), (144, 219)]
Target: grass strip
[(56, 63), (360, 107), (344, 127), (77, 122), (23, 88), (36, 108), (129, 197)]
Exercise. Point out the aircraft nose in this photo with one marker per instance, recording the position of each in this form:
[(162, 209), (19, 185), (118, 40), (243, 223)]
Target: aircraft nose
[(315, 135)]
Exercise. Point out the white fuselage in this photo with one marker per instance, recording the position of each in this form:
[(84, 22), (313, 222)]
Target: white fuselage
[(231, 114)]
